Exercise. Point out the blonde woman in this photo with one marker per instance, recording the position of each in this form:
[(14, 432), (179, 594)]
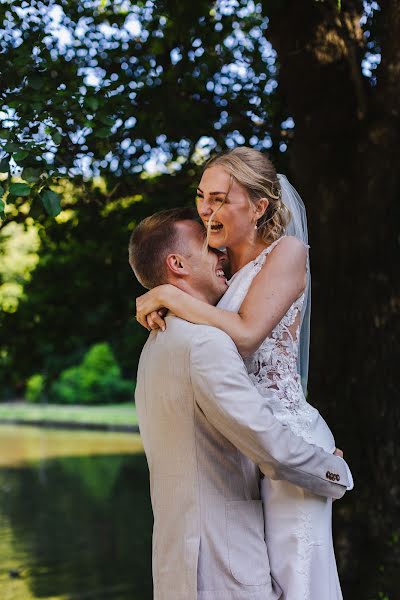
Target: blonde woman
[(250, 210)]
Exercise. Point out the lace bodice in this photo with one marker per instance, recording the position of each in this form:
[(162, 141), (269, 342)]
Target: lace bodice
[(273, 367)]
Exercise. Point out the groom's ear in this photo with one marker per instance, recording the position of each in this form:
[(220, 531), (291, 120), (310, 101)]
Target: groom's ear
[(177, 265)]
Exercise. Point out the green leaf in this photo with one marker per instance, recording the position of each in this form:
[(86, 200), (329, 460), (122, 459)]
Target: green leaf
[(1, 190), (107, 120), (52, 202), (4, 134), (20, 155), (14, 103), (20, 189), (2, 207), (57, 138), (92, 102), (36, 82), (4, 165), (103, 132), (30, 174), (11, 147)]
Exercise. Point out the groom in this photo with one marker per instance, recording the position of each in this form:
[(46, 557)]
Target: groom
[(207, 434)]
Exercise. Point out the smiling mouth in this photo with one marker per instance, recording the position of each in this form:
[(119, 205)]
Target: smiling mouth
[(220, 273), (215, 226)]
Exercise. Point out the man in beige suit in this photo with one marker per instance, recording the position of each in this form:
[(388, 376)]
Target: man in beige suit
[(208, 435)]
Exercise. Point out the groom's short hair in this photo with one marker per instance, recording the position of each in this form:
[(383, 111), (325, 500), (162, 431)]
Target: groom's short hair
[(152, 240)]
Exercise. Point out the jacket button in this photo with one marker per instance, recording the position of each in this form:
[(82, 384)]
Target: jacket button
[(328, 474)]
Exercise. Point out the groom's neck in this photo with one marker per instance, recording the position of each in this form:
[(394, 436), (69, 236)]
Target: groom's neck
[(185, 286)]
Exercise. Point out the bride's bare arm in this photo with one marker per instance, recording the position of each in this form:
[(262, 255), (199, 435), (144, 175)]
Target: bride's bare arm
[(274, 289)]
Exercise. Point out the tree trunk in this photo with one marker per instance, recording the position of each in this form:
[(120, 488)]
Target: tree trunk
[(344, 160)]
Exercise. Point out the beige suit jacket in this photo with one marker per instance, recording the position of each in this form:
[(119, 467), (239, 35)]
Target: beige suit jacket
[(207, 433)]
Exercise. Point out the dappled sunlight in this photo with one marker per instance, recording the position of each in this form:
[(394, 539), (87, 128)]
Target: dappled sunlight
[(18, 258), (22, 445)]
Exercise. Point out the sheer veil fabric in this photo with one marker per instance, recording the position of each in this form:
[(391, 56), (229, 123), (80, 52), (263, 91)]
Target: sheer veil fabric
[(298, 228)]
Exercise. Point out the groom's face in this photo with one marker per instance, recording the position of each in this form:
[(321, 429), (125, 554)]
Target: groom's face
[(204, 264)]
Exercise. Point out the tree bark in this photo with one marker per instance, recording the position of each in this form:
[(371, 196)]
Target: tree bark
[(344, 160)]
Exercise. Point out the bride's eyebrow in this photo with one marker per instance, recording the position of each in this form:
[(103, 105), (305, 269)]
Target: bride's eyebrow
[(212, 193)]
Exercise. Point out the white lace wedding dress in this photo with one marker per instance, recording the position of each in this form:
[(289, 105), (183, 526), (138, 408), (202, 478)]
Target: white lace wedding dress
[(298, 524)]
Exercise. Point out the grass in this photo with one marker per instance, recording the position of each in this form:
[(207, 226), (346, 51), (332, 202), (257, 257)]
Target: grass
[(108, 414)]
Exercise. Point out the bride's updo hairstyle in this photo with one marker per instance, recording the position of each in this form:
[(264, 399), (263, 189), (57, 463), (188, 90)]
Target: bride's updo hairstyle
[(257, 175)]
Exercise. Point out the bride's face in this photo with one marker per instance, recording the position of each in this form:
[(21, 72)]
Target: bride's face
[(234, 223)]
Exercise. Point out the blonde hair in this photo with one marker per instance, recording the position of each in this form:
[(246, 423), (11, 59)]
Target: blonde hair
[(257, 175)]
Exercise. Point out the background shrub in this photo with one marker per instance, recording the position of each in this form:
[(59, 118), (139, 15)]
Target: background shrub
[(35, 388), (97, 380)]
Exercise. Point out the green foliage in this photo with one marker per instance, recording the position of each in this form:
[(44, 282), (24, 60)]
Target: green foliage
[(35, 388), (148, 77), (97, 380), (78, 288)]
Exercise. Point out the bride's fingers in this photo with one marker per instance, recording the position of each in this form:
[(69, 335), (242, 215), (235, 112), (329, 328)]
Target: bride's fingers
[(338, 452), (151, 322), (158, 319)]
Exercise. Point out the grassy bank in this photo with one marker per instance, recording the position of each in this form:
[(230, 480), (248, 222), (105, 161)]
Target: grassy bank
[(109, 414)]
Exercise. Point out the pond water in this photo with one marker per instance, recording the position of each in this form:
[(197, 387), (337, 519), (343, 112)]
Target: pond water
[(76, 521), (75, 516)]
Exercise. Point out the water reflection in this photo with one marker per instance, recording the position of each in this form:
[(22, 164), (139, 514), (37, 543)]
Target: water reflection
[(77, 526), (21, 444), (75, 522)]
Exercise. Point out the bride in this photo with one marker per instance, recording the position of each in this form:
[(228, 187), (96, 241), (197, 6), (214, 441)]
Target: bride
[(260, 220)]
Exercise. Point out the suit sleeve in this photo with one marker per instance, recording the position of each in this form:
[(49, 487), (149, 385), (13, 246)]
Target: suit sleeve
[(225, 394)]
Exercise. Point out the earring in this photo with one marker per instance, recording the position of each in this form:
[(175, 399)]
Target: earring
[(255, 226)]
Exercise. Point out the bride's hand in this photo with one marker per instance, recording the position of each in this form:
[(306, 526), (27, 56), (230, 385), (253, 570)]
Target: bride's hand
[(151, 302), (338, 452), (155, 320)]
